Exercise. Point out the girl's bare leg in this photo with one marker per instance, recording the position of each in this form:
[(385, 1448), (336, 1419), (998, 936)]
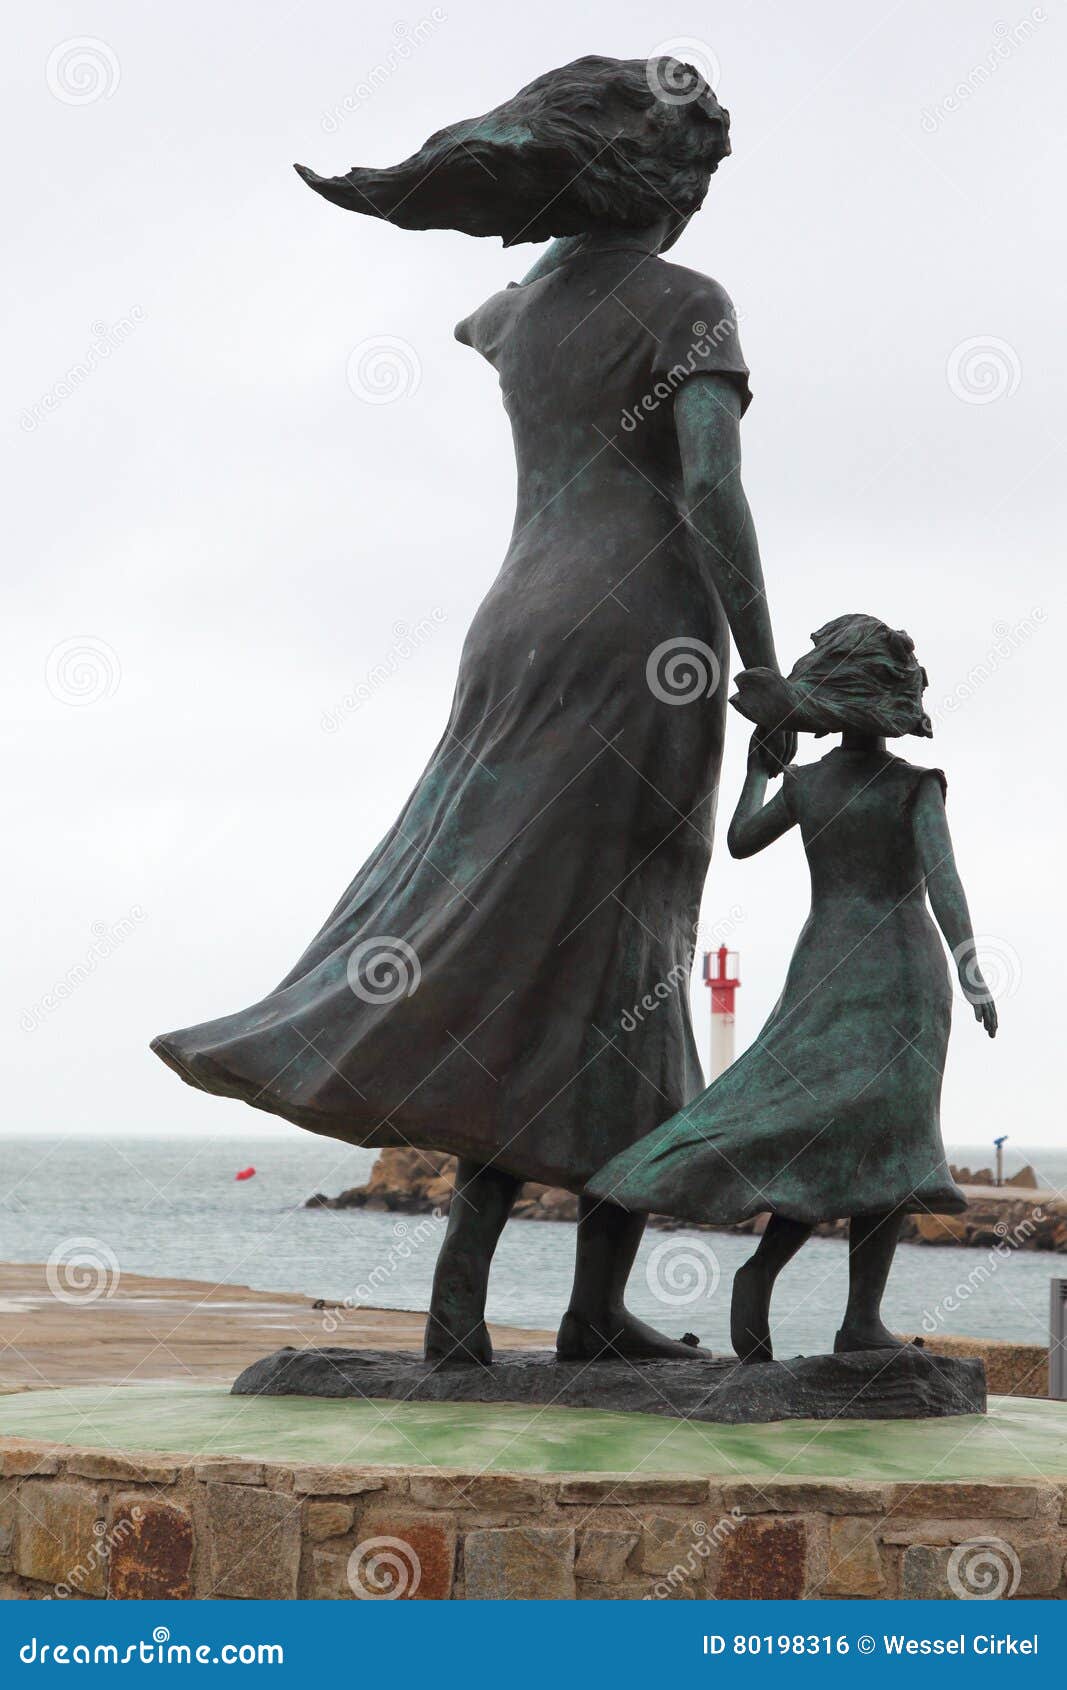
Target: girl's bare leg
[(750, 1306), (872, 1240)]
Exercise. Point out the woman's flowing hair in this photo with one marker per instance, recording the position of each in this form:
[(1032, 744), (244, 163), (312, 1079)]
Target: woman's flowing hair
[(859, 674), (600, 141)]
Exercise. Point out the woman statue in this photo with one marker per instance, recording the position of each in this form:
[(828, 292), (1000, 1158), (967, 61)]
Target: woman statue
[(469, 991)]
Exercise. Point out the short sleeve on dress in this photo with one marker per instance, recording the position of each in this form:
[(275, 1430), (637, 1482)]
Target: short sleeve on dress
[(698, 335), (919, 779)]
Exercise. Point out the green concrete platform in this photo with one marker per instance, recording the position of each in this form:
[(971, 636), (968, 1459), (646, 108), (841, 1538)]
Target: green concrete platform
[(1019, 1438)]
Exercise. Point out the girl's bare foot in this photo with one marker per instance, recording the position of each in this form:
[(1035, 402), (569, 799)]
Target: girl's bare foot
[(870, 1335)]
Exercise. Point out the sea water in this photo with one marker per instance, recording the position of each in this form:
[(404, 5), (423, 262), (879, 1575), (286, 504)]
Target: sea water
[(173, 1207)]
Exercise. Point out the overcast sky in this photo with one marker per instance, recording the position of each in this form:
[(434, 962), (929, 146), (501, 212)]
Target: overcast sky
[(215, 538)]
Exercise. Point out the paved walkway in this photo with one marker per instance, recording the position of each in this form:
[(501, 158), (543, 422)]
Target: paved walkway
[(179, 1329)]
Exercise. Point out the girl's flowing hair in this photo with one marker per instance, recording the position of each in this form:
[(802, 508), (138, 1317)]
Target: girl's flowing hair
[(600, 141), (859, 674)]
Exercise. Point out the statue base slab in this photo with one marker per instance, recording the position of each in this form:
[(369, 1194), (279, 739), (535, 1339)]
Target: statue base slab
[(907, 1384)]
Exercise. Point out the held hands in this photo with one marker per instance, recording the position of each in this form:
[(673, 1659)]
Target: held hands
[(975, 989), (771, 750)]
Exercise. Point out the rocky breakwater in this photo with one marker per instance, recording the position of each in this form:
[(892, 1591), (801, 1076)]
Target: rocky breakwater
[(1018, 1214)]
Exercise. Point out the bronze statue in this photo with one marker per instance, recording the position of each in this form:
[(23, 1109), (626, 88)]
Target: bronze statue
[(835, 1109), (466, 994)]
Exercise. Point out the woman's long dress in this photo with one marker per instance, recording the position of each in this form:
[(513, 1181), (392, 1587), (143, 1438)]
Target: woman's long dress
[(835, 1109), (470, 991)]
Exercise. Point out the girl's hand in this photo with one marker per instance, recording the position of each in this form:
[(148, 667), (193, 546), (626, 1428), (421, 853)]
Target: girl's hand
[(771, 751), (976, 991), (986, 1013)]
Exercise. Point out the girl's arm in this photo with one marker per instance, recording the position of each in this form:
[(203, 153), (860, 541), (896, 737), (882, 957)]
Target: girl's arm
[(949, 901), (755, 824)]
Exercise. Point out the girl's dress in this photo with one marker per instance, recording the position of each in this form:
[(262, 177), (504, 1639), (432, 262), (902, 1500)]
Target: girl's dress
[(835, 1110), (470, 991)]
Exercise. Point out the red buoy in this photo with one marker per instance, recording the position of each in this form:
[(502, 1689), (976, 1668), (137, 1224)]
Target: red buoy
[(245, 1173)]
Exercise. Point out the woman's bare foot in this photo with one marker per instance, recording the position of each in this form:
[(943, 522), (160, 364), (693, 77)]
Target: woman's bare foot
[(871, 1335), (448, 1346), (750, 1313), (620, 1336)]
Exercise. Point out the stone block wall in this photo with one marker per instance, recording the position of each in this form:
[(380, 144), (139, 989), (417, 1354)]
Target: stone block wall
[(83, 1524)]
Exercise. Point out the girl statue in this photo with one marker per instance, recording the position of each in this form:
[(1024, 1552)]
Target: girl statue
[(466, 993), (835, 1110)]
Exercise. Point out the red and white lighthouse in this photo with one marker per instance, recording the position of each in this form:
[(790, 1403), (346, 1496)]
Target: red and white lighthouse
[(721, 974)]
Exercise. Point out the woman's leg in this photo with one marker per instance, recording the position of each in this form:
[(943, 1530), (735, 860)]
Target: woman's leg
[(872, 1239), (597, 1324), (455, 1327), (750, 1305)]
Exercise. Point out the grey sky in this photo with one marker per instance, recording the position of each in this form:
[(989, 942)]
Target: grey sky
[(199, 494)]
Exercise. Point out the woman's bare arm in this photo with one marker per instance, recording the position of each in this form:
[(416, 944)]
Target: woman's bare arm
[(707, 417), (948, 899)]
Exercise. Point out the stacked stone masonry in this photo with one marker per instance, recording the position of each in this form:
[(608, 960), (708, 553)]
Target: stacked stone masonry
[(82, 1524)]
